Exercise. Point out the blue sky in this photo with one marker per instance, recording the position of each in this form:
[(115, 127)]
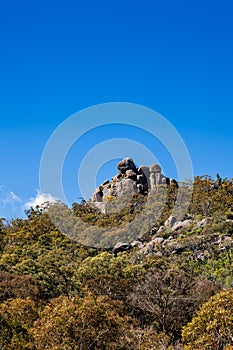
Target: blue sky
[(58, 57)]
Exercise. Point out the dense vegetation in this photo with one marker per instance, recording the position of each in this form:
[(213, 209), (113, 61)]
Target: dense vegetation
[(57, 294)]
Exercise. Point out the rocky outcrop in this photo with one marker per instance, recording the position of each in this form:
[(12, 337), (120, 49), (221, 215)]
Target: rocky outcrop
[(170, 221), (181, 224), (124, 187), (126, 164), (131, 180), (121, 247)]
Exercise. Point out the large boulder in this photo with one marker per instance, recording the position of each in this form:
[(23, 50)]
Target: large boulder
[(170, 221), (155, 168), (179, 225), (125, 187), (127, 164), (131, 175), (144, 170), (97, 195), (121, 247)]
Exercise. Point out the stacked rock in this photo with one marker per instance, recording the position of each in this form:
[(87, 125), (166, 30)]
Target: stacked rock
[(132, 180)]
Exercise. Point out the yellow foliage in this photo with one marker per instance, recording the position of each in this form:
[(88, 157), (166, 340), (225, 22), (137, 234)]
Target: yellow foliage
[(109, 198), (212, 328)]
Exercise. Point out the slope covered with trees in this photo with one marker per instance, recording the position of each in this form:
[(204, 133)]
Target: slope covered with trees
[(172, 292)]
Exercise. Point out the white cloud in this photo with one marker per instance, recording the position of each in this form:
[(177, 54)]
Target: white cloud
[(11, 198), (10, 203), (40, 199), (7, 196), (12, 206)]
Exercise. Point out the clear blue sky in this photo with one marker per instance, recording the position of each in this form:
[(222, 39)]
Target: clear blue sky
[(58, 57)]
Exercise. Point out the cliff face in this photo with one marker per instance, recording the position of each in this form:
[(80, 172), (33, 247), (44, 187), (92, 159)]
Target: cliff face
[(131, 180)]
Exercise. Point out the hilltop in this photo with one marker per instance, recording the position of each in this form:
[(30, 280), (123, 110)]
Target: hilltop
[(171, 289)]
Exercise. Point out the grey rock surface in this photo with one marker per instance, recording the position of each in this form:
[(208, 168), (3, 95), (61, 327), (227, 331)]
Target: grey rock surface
[(170, 221), (181, 224), (155, 168), (126, 164), (131, 180), (125, 187)]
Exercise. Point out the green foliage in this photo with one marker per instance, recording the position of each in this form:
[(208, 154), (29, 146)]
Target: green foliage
[(58, 294), (212, 328), (35, 247), (211, 197), (105, 274), (75, 323)]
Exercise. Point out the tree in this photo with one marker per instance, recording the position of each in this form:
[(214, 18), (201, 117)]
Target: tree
[(16, 317), (105, 274), (164, 297), (17, 287), (81, 323), (212, 328)]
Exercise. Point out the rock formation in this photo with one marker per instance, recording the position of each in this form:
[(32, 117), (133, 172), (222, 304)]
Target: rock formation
[(131, 180), (121, 247)]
